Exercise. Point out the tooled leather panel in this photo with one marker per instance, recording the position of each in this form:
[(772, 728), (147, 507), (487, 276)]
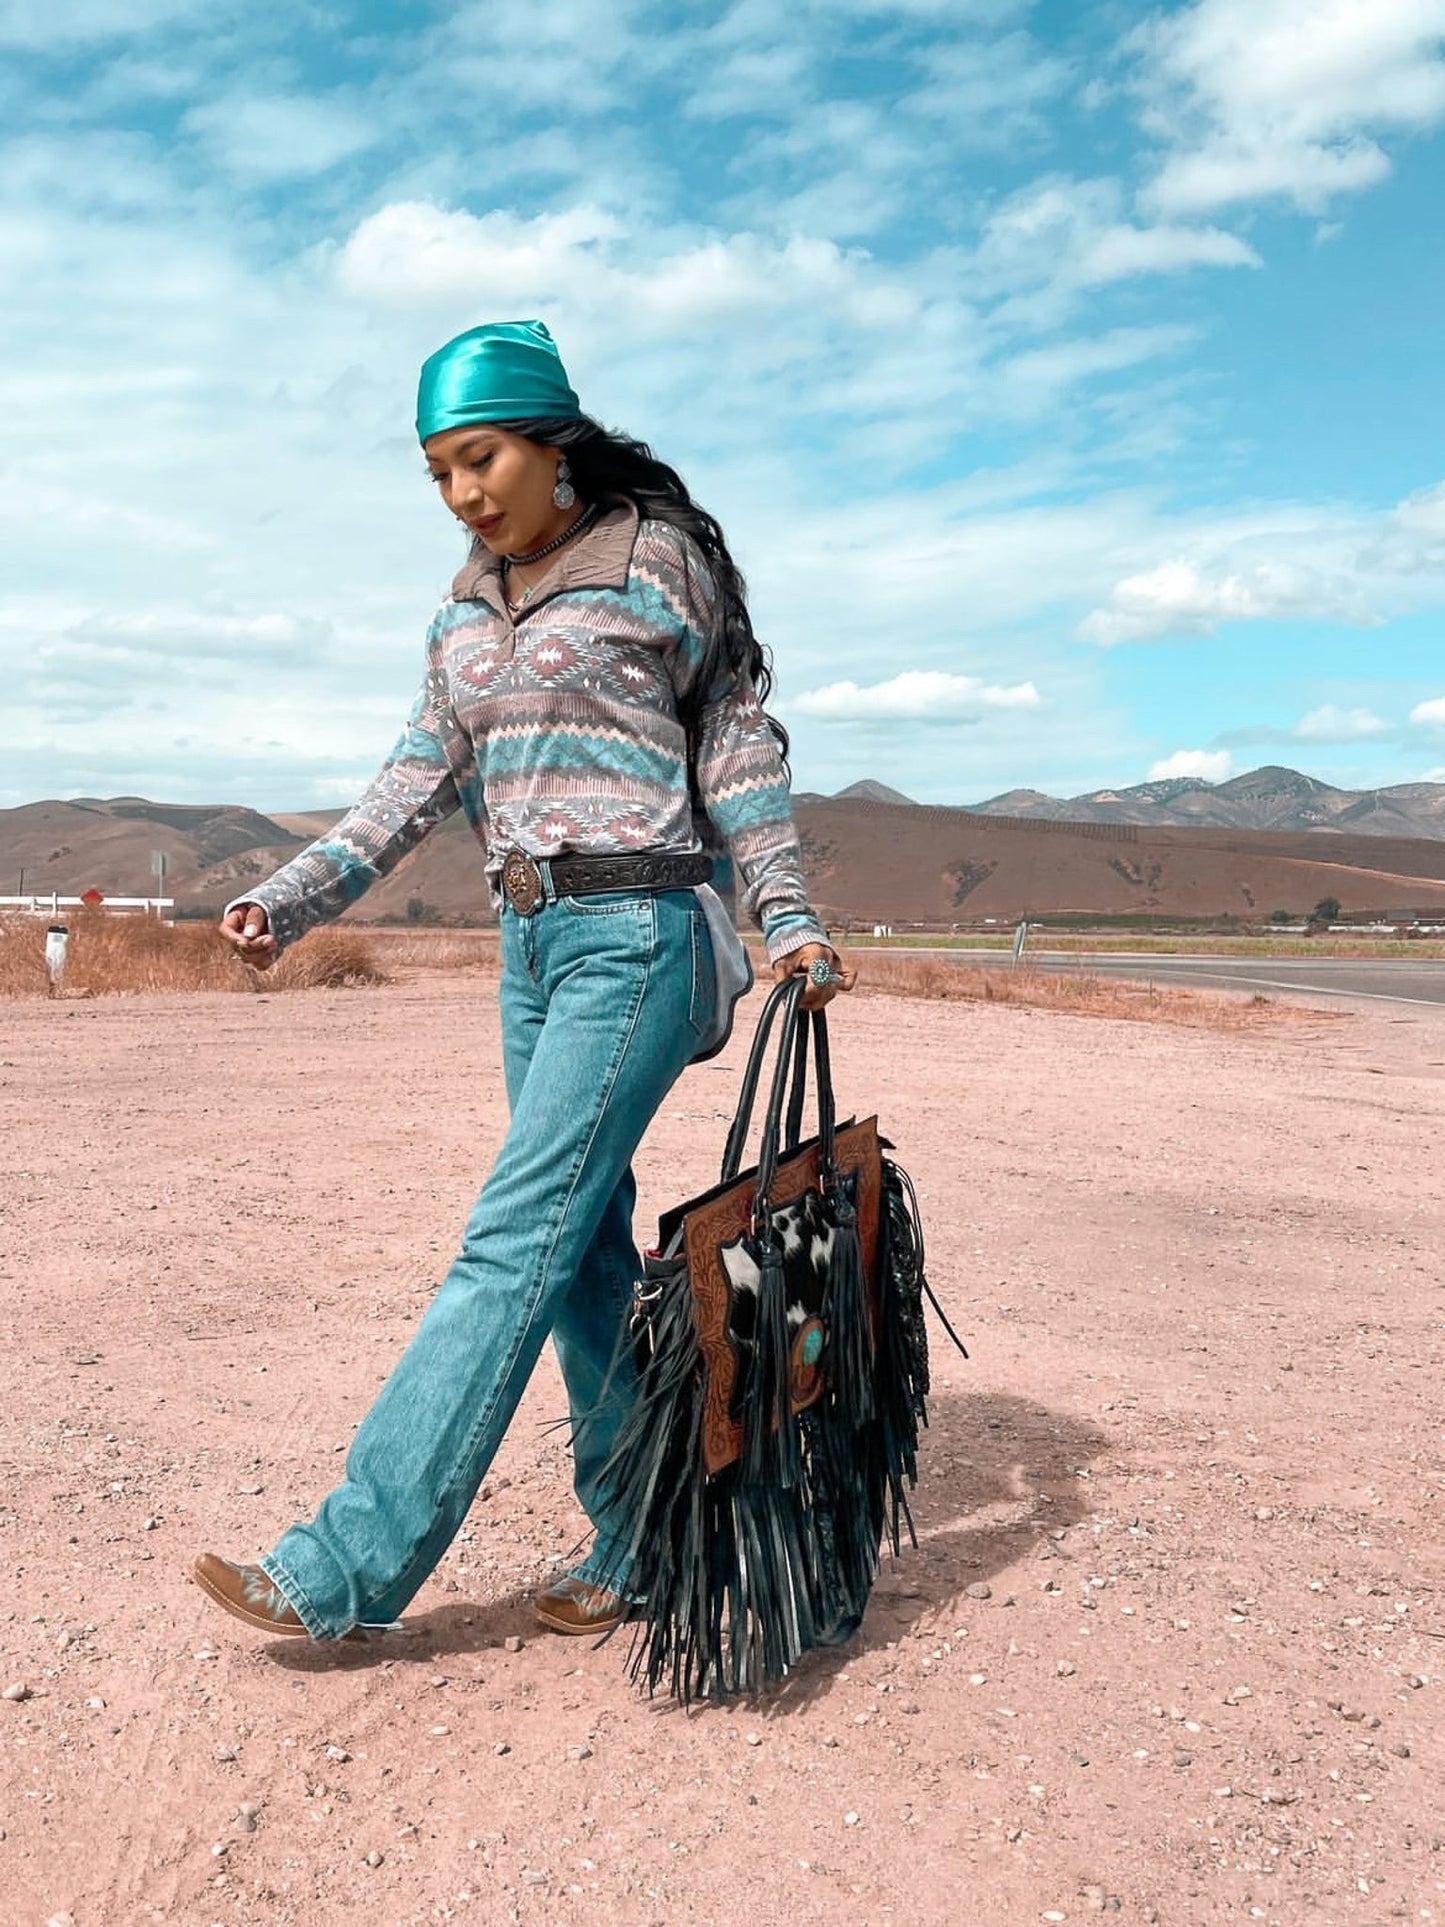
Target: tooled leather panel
[(724, 1219)]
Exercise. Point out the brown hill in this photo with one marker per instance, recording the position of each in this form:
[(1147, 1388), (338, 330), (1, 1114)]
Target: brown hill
[(869, 862), (107, 845), (892, 864)]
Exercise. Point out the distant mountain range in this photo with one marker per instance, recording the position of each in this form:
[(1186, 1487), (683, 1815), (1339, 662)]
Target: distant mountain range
[(864, 792), (1272, 798), (1265, 799), (1271, 841)]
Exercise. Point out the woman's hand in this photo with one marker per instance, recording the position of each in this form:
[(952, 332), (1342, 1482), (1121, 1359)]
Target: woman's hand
[(249, 929), (798, 961)]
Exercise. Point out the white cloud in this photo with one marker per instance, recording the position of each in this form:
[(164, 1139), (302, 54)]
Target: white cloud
[(1210, 765), (760, 58), (570, 58), (278, 137), (1429, 715), (122, 174), (342, 789), (1119, 253), (1424, 512), (1283, 99), (40, 25), (1067, 235), (991, 92), (951, 13), (1286, 563), (1041, 371), (269, 636), (1181, 597), (954, 568), (750, 79), (1329, 724), (915, 695), (866, 160), (1308, 175), (413, 253), (850, 167)]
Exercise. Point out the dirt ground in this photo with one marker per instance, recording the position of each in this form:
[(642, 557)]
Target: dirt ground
[(1172, 1649)]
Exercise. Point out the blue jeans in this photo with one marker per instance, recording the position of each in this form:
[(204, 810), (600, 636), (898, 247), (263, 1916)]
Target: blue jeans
[(604, 999)]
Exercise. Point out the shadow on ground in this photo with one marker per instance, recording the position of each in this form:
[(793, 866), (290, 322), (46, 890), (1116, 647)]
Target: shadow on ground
[(997, 1476)]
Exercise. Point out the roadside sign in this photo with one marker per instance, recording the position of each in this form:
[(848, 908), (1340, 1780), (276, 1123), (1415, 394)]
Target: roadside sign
[(92, 897)]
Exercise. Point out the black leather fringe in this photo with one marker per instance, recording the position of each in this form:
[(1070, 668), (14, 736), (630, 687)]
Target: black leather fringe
[(848, 1359), (903, 1376), (740, 1574), (770, 1442)]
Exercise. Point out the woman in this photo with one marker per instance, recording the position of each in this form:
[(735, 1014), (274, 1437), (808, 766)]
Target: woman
[(591, 677)]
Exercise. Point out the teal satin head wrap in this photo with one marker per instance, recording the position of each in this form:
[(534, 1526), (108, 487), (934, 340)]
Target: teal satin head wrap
[(505, 371)]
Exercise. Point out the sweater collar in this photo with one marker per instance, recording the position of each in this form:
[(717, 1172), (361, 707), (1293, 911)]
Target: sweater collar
[(599, 559)]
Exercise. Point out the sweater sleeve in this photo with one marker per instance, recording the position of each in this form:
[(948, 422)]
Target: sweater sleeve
[(742, 780), (423, 780)]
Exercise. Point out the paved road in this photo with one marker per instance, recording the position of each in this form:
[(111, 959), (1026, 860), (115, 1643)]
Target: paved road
[(1389, 980)]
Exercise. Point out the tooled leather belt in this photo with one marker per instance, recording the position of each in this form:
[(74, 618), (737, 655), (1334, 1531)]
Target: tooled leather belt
[(580, 876)]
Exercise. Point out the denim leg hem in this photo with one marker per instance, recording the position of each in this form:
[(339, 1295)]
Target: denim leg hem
[(296, 1599), (604, 1584), (610, 1573)]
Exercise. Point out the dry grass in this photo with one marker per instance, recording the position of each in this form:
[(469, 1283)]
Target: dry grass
[(116, 955), (405, 948), (1079, 994), (326, 960)]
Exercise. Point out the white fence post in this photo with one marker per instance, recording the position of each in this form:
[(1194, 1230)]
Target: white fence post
[(57, 942)]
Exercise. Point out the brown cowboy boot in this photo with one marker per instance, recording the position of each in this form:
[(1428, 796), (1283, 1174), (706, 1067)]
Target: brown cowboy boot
[(575, 1607), (249, 1594)]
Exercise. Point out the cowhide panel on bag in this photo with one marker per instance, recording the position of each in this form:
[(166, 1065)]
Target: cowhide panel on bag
[(715, 1233), (807, 1236)]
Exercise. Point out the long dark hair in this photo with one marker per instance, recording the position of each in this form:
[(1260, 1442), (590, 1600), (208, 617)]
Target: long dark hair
[(605, 465)]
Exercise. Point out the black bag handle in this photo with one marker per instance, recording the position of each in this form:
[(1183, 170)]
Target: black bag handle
[(790, 1066), (794, 1047), (799, 1091), (823, 1072), (742, 1121), (794, 1031)]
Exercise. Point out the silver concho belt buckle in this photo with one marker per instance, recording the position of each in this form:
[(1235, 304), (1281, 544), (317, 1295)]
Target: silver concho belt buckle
[(522, 884)]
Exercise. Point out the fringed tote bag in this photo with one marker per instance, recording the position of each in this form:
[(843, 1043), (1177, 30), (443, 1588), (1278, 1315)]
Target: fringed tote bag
[(783, 1377)]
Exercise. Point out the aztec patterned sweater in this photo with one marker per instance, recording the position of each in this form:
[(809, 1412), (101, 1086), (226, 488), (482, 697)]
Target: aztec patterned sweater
[(559, 732)]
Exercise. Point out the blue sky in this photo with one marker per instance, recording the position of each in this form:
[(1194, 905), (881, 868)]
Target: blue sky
[(1066, 378)]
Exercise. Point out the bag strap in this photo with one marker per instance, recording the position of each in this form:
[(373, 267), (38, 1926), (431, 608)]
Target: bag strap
[(790, 1069), (823, 1072), (794, 1021), (798, 1095), (742, 1121), (794, 1047)]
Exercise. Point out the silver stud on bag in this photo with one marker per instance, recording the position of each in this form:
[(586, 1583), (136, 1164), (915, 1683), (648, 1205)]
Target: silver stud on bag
[(563, 495)]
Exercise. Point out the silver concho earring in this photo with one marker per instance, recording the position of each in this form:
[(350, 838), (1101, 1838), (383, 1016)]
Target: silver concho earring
[(563, 495)]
